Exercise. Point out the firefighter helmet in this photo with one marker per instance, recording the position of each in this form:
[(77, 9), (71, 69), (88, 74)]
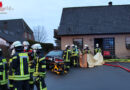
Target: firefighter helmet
[(66, 46), (36, 46), (97, 45), (17, 44), (26, 43), (86, 45), (0, 50)]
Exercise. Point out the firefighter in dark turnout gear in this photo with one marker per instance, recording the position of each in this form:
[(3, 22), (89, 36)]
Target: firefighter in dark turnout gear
[(75, 55), (40, 68), (98, 57), (20, 68), (31, 63), (97, 49), (3, 72), (66, 56), (10, 75)]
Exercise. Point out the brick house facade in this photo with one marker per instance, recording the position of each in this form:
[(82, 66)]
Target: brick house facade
[(109, 26)]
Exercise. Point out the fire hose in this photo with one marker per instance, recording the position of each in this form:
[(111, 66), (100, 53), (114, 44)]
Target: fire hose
[(118, 66)]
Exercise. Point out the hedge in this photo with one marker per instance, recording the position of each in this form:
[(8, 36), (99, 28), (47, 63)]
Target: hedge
[(46, 46)]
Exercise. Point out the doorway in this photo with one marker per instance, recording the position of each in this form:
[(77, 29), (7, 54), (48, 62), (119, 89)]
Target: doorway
[(107, 45)]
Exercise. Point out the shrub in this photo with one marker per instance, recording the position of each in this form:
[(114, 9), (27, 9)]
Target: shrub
[(46, 46)]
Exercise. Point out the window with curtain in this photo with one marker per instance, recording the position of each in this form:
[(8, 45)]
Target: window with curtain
[(128, 42), (78, 42)]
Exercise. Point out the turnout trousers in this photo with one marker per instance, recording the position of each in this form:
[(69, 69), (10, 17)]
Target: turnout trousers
[(4, 87), (40, 84), (31, 82), (21, 85), (67, 66), (75, 60)]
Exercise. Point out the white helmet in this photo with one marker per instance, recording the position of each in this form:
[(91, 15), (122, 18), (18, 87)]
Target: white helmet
[(97, 45), (86, 45), (72, 45), (36, 46), (17, 44), (33, 46), (66, 45), (0, 49), (26, 43)]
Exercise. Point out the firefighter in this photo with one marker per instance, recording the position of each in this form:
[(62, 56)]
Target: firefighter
[(66, 56), (3, 72), (40, 68), (97, 49), (98, 57), (20, 68), (31, 63), (10, 77), (75, 55)]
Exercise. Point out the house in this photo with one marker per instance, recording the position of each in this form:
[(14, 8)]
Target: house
[(13, 30), (109, 26)]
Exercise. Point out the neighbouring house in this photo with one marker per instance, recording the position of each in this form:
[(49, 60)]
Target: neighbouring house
[(13, 30), (109, 26)]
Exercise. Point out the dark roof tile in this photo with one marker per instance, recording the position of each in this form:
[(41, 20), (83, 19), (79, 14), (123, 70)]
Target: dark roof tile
[(95, 20)]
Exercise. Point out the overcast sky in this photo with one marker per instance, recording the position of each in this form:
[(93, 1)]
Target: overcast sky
[(47, 13)]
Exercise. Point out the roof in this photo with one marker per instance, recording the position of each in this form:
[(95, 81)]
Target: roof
[(113, 19), (13, 29)]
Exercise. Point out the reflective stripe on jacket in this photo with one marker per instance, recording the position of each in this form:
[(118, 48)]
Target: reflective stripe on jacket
[(66, 55), (20, 67), (3, 71), (40, 68)]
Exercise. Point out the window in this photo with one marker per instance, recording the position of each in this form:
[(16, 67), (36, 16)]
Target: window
[(128, 42), (108, 45), (25, 35), (30, 36), (78, 42)]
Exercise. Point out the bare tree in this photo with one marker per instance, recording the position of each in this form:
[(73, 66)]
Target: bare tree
[(40, 34)]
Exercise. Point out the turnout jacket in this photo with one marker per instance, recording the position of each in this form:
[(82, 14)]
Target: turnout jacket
[(98, 50), (67, 55), (3, 71), (31, 60), (19, 66), (40, 66), (75, 52)]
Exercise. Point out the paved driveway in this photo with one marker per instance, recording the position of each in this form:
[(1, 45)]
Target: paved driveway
[(98, 78)]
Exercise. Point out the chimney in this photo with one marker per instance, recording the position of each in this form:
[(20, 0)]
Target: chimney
[(110, 3)]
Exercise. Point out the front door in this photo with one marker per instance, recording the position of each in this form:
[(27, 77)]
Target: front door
[(107, 45)]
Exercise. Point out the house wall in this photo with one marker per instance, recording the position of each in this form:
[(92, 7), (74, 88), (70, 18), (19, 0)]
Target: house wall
[(120, 46)]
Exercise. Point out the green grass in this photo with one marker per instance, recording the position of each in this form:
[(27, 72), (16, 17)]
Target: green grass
[(117, 60)]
